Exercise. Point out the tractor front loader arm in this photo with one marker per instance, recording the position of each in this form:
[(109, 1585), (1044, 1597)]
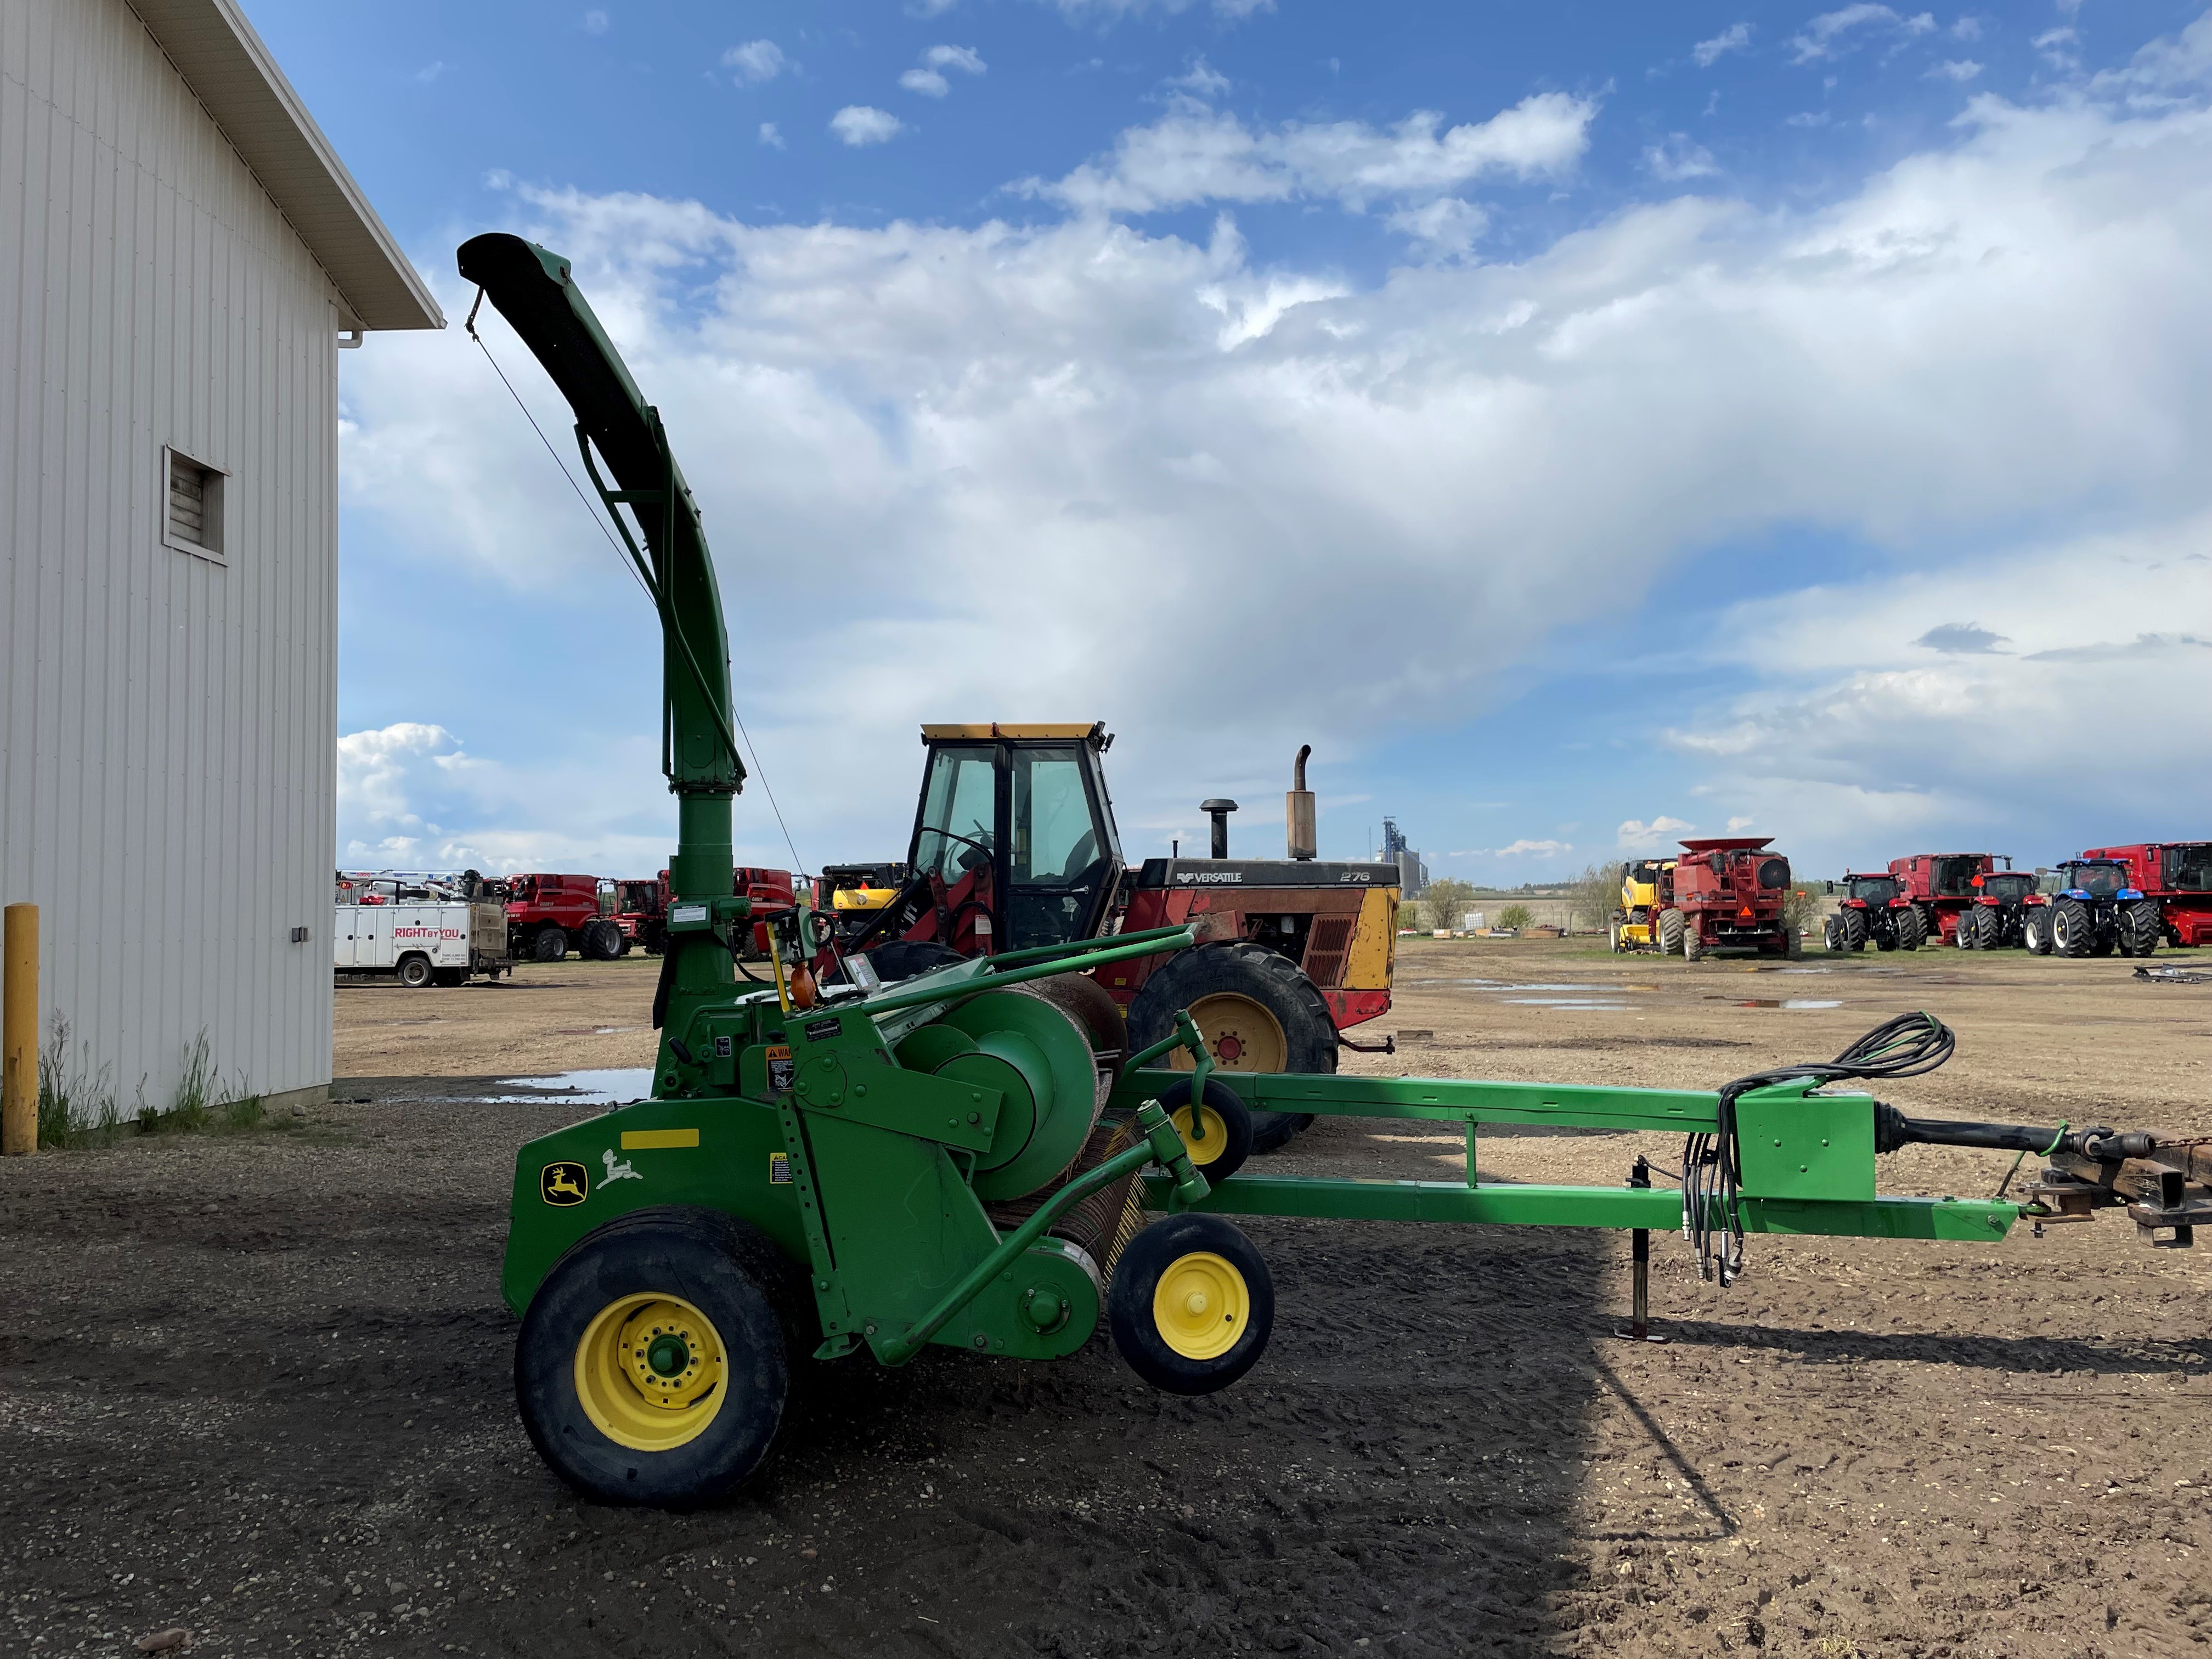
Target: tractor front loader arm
[(535, 291)]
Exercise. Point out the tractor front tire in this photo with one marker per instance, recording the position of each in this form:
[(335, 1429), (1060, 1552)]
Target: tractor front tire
[(1693, 942), (551, 945), (1257, 1011), (1853, 925), (1191, 1303), (2072, 933), (1912, 928), (1832, 934), (2035, 930), (2139, 927), (655, 1365), (1671, 931)]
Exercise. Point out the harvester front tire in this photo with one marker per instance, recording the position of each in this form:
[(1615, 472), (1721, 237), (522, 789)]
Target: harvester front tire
[(2072, 933), (695, 1278), (1227, 1121), (1613, 936), (2139, 927), (601, 940), (1191, 1303), (1793, 942), (1670, 933), (551, 945), (1295, 1034)]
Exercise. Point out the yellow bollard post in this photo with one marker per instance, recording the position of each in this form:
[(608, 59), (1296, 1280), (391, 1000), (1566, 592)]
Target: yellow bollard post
[(19, 1031)]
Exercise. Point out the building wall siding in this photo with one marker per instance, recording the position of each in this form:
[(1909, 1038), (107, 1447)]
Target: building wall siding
[(167, 725)]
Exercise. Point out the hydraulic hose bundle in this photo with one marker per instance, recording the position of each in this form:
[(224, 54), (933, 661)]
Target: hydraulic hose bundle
[(1912, 1045)]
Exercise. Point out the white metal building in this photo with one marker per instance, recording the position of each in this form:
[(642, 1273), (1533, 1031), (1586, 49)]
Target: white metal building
[(180, 253)]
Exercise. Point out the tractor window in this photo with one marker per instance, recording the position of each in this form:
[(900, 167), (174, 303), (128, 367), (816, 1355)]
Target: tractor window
[(957, 810), (2098, 880), (1060, 859), (1054, 840), (2007, 887), (1875, 889), (2189, 869)]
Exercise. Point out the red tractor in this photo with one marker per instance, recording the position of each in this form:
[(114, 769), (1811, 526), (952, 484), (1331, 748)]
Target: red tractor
[(641, 907), (1730, 891), (2175, 877), (547, 915), (1873, 910), (1941, 886), (2006, 911)]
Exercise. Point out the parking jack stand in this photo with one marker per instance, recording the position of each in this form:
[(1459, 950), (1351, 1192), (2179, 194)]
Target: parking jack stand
[(1639, 1256)]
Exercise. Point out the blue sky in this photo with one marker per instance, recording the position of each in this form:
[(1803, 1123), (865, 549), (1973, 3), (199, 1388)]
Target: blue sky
[(1581, 423)]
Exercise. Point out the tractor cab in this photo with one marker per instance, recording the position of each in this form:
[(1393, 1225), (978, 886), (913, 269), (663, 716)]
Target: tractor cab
[(1015, 835), (2094, 881), (1870, 891), (2008, 888)]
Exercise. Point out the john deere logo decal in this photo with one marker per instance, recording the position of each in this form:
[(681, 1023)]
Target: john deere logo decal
[(564, 1183)]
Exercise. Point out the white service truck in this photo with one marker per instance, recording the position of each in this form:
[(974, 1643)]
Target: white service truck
[(424, 938)]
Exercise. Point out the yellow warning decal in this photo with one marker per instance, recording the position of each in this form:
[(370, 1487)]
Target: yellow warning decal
[(648, 1140), (779, 1169)]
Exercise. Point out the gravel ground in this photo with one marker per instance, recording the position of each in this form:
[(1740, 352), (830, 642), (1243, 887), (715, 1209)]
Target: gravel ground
[(257, 1385)]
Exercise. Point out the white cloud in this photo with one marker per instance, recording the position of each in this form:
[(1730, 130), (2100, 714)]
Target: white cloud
[(1736, 37), (1677, 158), (929, 78), (1201, 80), (595, 23), (927, 81), (1967, 28), (1961, 69), (1737, 826), (1448, 225), (1194, 155), (1833, 33), (2006, 331), (2058, 48), (1635, 835), (859, 123), (770, 136), (757, 61), (1530, 849)]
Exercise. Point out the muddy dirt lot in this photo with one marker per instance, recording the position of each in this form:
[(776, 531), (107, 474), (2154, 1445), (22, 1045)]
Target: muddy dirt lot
[(257, 1386)]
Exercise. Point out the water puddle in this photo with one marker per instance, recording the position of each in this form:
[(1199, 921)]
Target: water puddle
[(604, 1087), (1576, 1003), (1778, 1002)]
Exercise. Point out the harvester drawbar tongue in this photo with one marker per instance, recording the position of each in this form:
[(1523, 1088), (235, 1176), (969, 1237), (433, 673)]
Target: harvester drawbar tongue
[(966, 1158)]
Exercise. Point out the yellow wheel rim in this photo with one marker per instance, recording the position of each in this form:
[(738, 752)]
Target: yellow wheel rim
[(651, 1372), (1241, 1035), (1208, 1151), (1201, 1305)]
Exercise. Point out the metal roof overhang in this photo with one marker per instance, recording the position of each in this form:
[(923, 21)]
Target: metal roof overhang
[(234, 77)]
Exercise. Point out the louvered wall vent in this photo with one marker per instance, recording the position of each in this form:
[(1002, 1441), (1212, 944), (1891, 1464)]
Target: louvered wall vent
[(194, 505)]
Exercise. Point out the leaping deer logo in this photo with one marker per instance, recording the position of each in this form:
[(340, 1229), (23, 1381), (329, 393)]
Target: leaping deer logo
[(621, 1171), (564, 1183)]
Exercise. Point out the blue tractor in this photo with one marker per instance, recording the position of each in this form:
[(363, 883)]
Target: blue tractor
[(2094, 913)]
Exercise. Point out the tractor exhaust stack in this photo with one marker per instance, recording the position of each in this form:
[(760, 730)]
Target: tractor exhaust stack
[(1299, 811)]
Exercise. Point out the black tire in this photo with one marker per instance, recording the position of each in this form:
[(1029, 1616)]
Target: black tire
[(551, 945), (1693, 942), (1832, 934), (2035, 929), (727, 1270), (601, 940), (2139, 927), (1912, 927), (2072, 931), (1261, 976), (903, 958), (1612, 936), (1163, 1250), (1670, 933), (1962, 934), (414, 971), (1220, 1155), (1793, 942), (450, 978), (1854, 930)]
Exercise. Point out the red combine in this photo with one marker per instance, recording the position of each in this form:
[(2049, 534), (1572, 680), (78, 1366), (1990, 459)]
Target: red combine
[(2176, 876), (641, 906), (1941, 887), (1730, 892), (548, 915)]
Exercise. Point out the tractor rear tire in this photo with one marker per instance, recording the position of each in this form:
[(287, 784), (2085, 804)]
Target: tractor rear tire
[(1250, 1000), (2072, 933), (584, 1397), (416, 972), (1670, 933), (2139, 927), (551, 945), (601, 940), (1191, 1303), (1912, 928), (1227, 1142), (1854, 928)]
